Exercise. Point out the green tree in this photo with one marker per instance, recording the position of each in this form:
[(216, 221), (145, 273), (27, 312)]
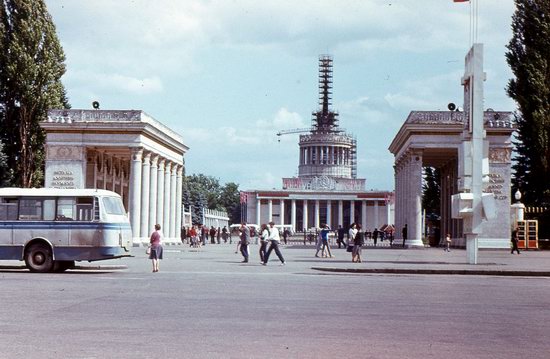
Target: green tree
[(201, 191), (431, 187), (529, 58), (230, 200), (5, 172), (31, 66)]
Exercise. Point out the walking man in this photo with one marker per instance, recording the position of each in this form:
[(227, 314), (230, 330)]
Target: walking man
[(245, 241), (515, 240), (341, 232), (274, 240)]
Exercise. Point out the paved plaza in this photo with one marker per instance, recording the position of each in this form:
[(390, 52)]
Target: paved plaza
[(206, 304)]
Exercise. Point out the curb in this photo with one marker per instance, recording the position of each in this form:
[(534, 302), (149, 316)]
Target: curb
[(436, 271), (103, 267)]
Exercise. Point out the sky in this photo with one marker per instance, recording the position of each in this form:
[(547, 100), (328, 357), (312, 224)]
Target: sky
[(227, 75)]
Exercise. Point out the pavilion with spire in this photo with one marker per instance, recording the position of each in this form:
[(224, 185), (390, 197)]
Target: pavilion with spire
[(326, 189)]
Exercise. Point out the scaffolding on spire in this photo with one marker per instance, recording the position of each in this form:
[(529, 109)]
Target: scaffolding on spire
[(325, 120)]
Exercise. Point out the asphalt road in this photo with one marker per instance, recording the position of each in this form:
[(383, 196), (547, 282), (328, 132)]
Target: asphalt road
[(208, 305)]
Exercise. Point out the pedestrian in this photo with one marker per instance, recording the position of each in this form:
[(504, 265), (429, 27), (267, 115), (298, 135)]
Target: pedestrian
[(325, 247), (358, 244), (404, 234), (156, 248), (183, 234), (375, 236), (340, 236), (224, 234), (391, 237), (448, 242), (274, 240), (244, 242), (351, 240), (193, 236), (286, 233), (218, 235), (264, 238), (515, 240), (212, 235)]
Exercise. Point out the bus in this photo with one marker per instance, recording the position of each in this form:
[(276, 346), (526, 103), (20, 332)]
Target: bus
[(51, 228)]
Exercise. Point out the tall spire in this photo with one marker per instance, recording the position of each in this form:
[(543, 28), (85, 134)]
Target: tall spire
[(325, 120)]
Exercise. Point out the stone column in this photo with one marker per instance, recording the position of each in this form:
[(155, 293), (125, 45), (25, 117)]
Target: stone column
[(258, 211), (293, 214), (134, 203), (364, 214), (160, 192), (376, 214), (282, 212), (305, 214), (153, 185), (179, 189), (341, 213), (352, 211), (415, 227), (317, 214), (329, 213), (145, 181), (269, 210), (173, 201), (167, 200)]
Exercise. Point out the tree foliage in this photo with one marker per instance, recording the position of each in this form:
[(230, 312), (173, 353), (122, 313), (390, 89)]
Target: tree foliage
[(431, 197), (529, 58), (31, 66), (201, 191), (5, 172)]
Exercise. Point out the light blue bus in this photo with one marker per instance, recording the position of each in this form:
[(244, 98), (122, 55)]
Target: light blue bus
[(52, 228)]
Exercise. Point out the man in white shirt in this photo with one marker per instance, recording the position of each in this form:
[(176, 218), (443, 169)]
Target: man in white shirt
[(274, 240)]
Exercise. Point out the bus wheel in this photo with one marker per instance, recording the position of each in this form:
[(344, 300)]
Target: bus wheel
[(62, 266), (38, 258)]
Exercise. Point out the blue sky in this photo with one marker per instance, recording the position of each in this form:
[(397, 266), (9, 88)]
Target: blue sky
[(228, 75)]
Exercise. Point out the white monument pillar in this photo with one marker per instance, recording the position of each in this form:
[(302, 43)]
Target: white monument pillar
[(134, 204), (270, 210), (472, 150), (352, 211), (153, 185), (145, 180)]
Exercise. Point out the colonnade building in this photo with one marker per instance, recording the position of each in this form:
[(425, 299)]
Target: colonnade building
[(127, 152), (327, 189)]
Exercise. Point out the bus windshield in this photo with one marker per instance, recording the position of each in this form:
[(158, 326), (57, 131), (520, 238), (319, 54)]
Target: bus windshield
[(113, 205)]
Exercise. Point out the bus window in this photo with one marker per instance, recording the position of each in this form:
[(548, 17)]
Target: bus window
[(30, 209), (49, 209), (84, 208), (8, 209), (65, 209), (113, 205)]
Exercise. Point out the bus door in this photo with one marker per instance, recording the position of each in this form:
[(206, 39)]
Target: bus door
[(8, 214)]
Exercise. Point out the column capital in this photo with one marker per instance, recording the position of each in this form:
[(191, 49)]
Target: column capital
[(137, 153), (161, 163), (154, 159), (168, 166), (146, 156)]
